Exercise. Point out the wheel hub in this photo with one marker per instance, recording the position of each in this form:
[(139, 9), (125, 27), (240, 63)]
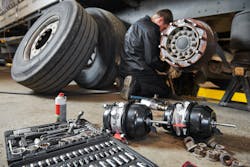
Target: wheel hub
[(184, 42), (42, 39)]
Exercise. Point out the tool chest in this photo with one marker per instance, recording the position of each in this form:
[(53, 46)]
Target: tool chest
[(69, 144)]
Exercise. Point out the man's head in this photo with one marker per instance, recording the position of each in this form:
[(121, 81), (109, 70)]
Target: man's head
[(162, 18)]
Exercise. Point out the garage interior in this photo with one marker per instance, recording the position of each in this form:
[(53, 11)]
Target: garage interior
[(208, 59), (161, 148)]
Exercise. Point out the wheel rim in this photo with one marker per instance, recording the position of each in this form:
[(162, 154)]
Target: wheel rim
[(92, 58), (41, 38)]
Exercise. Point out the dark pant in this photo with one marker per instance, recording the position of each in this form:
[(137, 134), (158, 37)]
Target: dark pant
[(148, 86)]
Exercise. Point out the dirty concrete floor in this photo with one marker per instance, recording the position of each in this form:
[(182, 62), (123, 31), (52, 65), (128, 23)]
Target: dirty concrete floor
[(20, 109)]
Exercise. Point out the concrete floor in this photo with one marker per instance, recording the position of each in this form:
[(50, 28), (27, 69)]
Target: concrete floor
[(23, 110)]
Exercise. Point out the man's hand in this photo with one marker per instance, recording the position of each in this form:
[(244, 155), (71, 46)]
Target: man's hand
[(173, 73), (165, 69), (165, 73)]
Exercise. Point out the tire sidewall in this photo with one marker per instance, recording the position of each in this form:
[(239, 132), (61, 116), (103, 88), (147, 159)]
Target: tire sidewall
[(91, 76), (23, 69)]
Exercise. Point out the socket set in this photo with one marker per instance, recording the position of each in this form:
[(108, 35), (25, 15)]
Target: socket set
[(105, 153), (70, 144)]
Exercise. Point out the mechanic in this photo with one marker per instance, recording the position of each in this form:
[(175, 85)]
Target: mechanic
[(140, 63)]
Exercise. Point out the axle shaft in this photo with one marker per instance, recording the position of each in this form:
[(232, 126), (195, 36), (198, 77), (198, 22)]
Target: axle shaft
[(223, 124)]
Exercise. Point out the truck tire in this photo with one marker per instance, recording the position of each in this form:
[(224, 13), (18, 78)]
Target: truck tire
[(102, 69), (113, 71), (55, 49), (240, 41)]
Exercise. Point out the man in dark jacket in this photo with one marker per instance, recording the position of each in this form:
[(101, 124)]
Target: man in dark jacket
[(141, 60)]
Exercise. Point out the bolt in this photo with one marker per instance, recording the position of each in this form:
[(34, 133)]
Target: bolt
[(226, 159), (219, 147), (199, 152), (212, 155)]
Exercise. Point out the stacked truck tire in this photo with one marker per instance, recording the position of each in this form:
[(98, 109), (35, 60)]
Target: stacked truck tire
[(69, 43)]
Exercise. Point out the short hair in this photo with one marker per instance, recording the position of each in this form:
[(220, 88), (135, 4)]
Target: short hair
[(166, 14)]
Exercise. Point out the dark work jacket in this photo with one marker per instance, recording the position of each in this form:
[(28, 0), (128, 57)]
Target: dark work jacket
[(141, 51)]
